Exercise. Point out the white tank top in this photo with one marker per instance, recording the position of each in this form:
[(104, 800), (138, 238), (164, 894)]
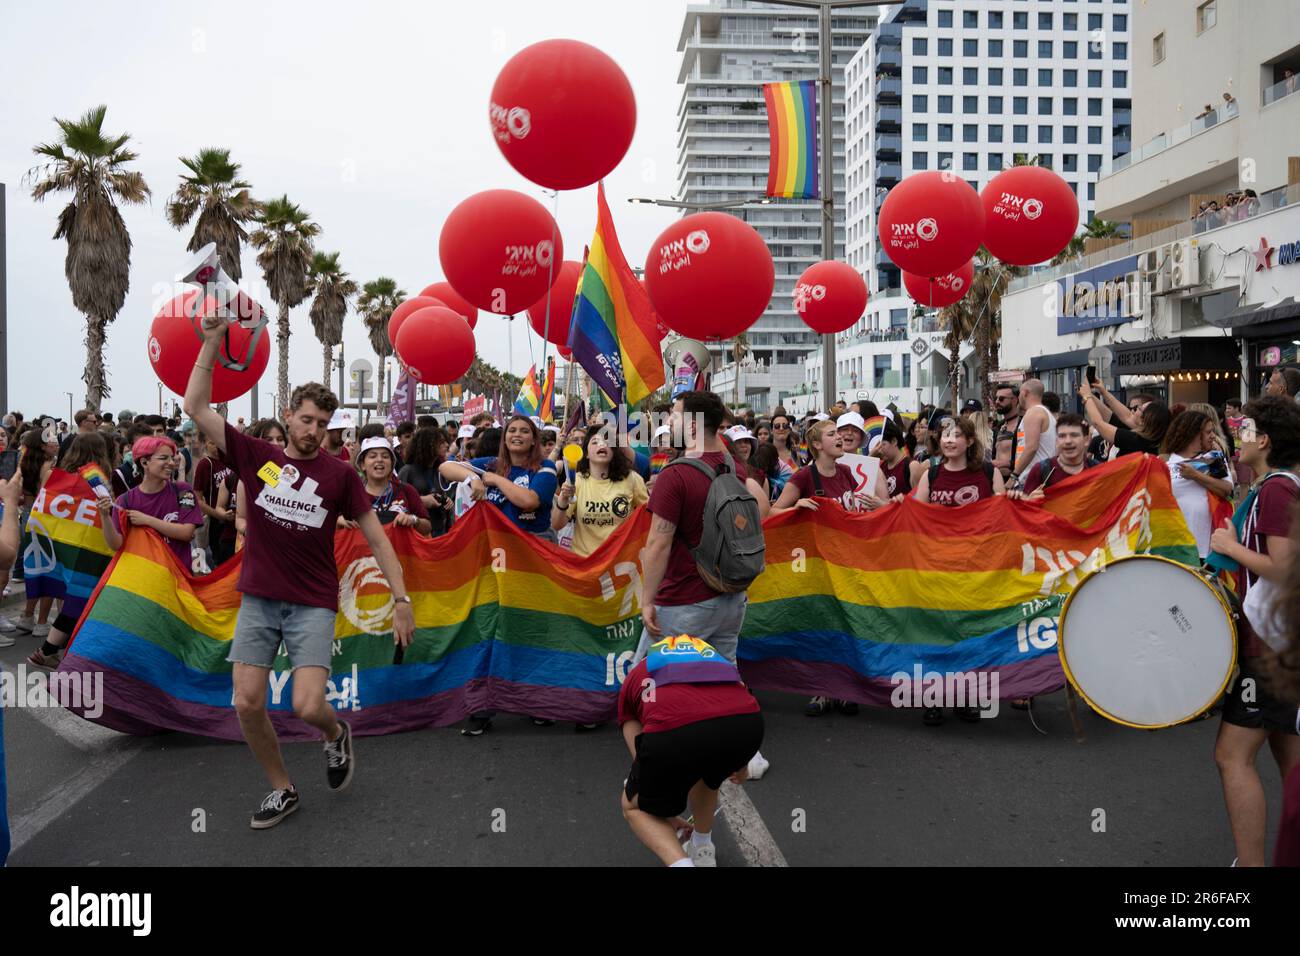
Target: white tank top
[(1046, 439)]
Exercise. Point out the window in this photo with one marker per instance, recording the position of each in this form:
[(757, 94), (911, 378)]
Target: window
[(1069, 77), (945, 132), (945, 161), (945, 104), (919, 103), (1070, 134), (1045, 160), (1044, 106), (970, 76), (920, 161), (920, 132), (970, 133), (1044, 134), (945, 18), (995, 133), (1119, 79), (920, 74), (995, 105), (919, 46), (1044, 49), (970, 161), (995, 76), (1070, 106), (1020, 77), (945, 76), (1071, 163), (1094, 106), (1120, 51), (907, 367), (1044, 77), (1207, 15), (969, 18), (1044, 21), (1158, 49), (995, 160), (995, 49), (1094, 79), (1094, 163), (945, 47), (1094, 135), (1069, 21), (1020, 49), (1094, 21), (1020, 105), (1094, 49), (1020, 134), (1092, 191), (995, 20), (1020, 21), (970, 47), (1070, 49), (1119, 22), (970, 104)]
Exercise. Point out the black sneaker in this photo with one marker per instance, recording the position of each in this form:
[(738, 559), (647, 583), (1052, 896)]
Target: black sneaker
[(847, 707), (339, 759), (542, 722), (277, 805), (586, 728), (969, 714), (475, 726), (932, 717), (818, 706)]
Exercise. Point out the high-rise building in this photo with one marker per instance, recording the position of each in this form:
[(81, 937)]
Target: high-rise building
[(968, 86), (730, 48)]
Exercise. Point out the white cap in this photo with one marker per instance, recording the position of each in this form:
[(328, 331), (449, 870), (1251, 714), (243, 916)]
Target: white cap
[(341, 419), (551, 428), (852, 418), (739, 433), (466, 431), (821, 417), (377, 441)]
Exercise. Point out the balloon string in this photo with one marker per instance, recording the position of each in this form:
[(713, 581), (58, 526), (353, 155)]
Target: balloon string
[(550, 276)]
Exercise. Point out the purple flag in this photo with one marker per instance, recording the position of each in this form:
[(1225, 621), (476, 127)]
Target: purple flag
[(402, 407)]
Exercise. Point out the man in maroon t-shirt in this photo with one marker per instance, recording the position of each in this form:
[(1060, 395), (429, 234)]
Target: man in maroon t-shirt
[(288, 578)]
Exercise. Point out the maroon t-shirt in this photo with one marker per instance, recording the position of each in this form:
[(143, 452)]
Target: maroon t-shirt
[(176, 503), (1272, 517), (898, 479), (289, 549), (678, 496), (838, 486), (676, 705), (952, 489), (1055, 474), (209, 476), (403, 500)]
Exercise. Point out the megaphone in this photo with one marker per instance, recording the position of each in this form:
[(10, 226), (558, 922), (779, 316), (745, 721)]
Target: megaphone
[(232, 303), (689, 359)]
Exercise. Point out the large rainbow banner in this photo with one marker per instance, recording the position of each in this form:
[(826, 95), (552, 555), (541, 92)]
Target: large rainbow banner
[(792, 139), (508, 622)]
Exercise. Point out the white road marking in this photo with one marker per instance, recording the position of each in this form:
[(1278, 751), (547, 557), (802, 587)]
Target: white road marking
[(81, 733), (756, 843)]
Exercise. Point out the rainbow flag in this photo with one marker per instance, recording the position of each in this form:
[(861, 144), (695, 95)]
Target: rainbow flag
[(792, 131), (530, 396), (547, 412), (874, 427), (96, 480), (846, 602), (658, 462), (67, 552), (612, 332)]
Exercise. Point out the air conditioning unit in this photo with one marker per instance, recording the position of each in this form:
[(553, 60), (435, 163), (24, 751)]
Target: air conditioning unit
[(1153, 266), (1184, 265)]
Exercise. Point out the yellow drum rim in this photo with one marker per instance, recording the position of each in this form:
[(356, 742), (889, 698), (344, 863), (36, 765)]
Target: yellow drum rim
[(1065, 664)]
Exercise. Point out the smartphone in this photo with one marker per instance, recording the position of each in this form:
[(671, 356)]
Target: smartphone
[(8, 464), (1092, 375)]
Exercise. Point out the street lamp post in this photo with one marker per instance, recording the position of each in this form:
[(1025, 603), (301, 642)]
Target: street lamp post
[(69, 394)]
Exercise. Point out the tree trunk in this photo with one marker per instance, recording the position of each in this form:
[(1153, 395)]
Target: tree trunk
[(329, 361), (379, 384), (95, 375), (954, 373), (282, 343)]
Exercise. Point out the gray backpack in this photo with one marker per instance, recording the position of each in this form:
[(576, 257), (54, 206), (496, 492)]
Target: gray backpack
[(731, 549)]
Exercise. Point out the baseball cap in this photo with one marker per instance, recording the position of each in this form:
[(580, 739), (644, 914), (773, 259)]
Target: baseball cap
[(466, 431), (937, 416), (972, 405), (739, 433), (340, 419), (852, 418)]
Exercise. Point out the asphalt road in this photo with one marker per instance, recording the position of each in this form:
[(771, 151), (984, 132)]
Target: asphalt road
[(876, 789)]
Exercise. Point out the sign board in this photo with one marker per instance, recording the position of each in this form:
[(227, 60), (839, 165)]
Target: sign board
[(865, 468), (1110, 294), (474, 406), (361, 379)]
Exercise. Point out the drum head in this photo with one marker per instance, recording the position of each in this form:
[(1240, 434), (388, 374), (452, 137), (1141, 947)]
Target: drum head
[(1148, 642)]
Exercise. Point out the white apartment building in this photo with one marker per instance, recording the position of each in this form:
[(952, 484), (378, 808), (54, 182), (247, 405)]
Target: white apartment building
[(967, 85), (1195, 307), (730, 48)]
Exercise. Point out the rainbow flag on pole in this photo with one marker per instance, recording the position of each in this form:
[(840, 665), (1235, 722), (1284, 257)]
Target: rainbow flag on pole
[(792, 131), (530, 396), (547, 411), (67, 552), (613, 332)]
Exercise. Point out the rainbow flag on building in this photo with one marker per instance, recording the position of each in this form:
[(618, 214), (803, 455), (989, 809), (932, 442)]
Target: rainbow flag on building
[(530, 396), (792, 131), (612, 332), (846, 602), (547, 409)]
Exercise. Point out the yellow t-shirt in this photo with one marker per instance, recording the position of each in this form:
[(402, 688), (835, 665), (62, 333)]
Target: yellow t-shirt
[(600, 505)]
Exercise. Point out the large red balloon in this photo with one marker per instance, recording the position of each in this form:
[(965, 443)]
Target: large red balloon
[(562, 113), (444, 293), (174, 348), (406, 310), (500, 250), (830, 296), (710, 276), (436, 345), (942, 291), (561, 295), (931, 223), (1030, 214), (565, 354)]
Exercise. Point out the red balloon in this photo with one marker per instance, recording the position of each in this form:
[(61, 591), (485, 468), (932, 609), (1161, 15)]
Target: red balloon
[(931, 223), (174, 348), (1030, 214), (406, 310), (436, 345), (943, 291), (446, 295), (710, 276), (565, 354), (562, 113), (500, 250), (561, 295), (830, 296)]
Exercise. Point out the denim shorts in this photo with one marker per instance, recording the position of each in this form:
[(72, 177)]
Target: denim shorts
[(716, 620), (307, 633)]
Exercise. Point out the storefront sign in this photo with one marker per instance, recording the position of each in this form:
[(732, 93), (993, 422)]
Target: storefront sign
[(1107, 295)]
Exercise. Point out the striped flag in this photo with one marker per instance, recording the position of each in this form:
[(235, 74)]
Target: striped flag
[(547, 411), (530, 396), (792, 130), (612, 332)]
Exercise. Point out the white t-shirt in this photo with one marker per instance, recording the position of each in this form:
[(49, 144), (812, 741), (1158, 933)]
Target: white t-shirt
[(1194, 502), (1046, 439)]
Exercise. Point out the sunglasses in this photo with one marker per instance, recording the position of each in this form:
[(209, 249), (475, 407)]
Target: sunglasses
[(781, 428)]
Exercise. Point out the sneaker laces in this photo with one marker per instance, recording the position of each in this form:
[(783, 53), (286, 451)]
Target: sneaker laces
[(274, 800), (334, 755)]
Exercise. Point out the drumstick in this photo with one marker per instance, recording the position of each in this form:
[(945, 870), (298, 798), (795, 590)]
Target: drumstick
[(1074, 714)]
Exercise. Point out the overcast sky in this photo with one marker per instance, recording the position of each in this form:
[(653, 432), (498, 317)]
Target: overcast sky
[(372, 116)]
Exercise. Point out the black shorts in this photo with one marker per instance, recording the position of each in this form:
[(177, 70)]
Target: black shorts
[(1265, 711), (669, 763)]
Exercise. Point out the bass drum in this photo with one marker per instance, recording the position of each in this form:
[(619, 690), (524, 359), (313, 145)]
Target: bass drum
[(1149, 642)]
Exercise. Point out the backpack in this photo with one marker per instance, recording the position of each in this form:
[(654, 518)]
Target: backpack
[(732, 548)]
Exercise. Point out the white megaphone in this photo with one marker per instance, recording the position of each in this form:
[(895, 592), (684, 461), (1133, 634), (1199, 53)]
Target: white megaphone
[(232, 303), (689, 360)]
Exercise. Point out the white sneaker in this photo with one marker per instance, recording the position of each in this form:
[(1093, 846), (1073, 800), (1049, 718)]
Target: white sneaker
[(24, 622), (706, 855), (41, 630), (6, 626), (758, 765), (6, 641)]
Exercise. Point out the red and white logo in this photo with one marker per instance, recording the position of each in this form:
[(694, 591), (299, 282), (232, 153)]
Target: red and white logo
[(697, 241), (508, 123), (804, 293), (677, 254), (951, 283), (527, 260), (1033, 208), (155, 349), (927, 229)]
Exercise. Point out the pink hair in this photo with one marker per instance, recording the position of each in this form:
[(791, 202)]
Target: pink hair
[(145, 447)]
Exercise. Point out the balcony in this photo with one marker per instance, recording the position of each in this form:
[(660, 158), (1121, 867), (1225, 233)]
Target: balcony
[(889, 117), (889, 89), (1167, 141), (889, 59), (889, 143), (888, 171), (1280, 90)]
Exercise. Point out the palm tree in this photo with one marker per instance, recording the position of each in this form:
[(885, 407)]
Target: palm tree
[(222, 203), (378, 300), (739, 349), (978, 317), (1096, 229), (330, 288), (285, 243), (91, 166)]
